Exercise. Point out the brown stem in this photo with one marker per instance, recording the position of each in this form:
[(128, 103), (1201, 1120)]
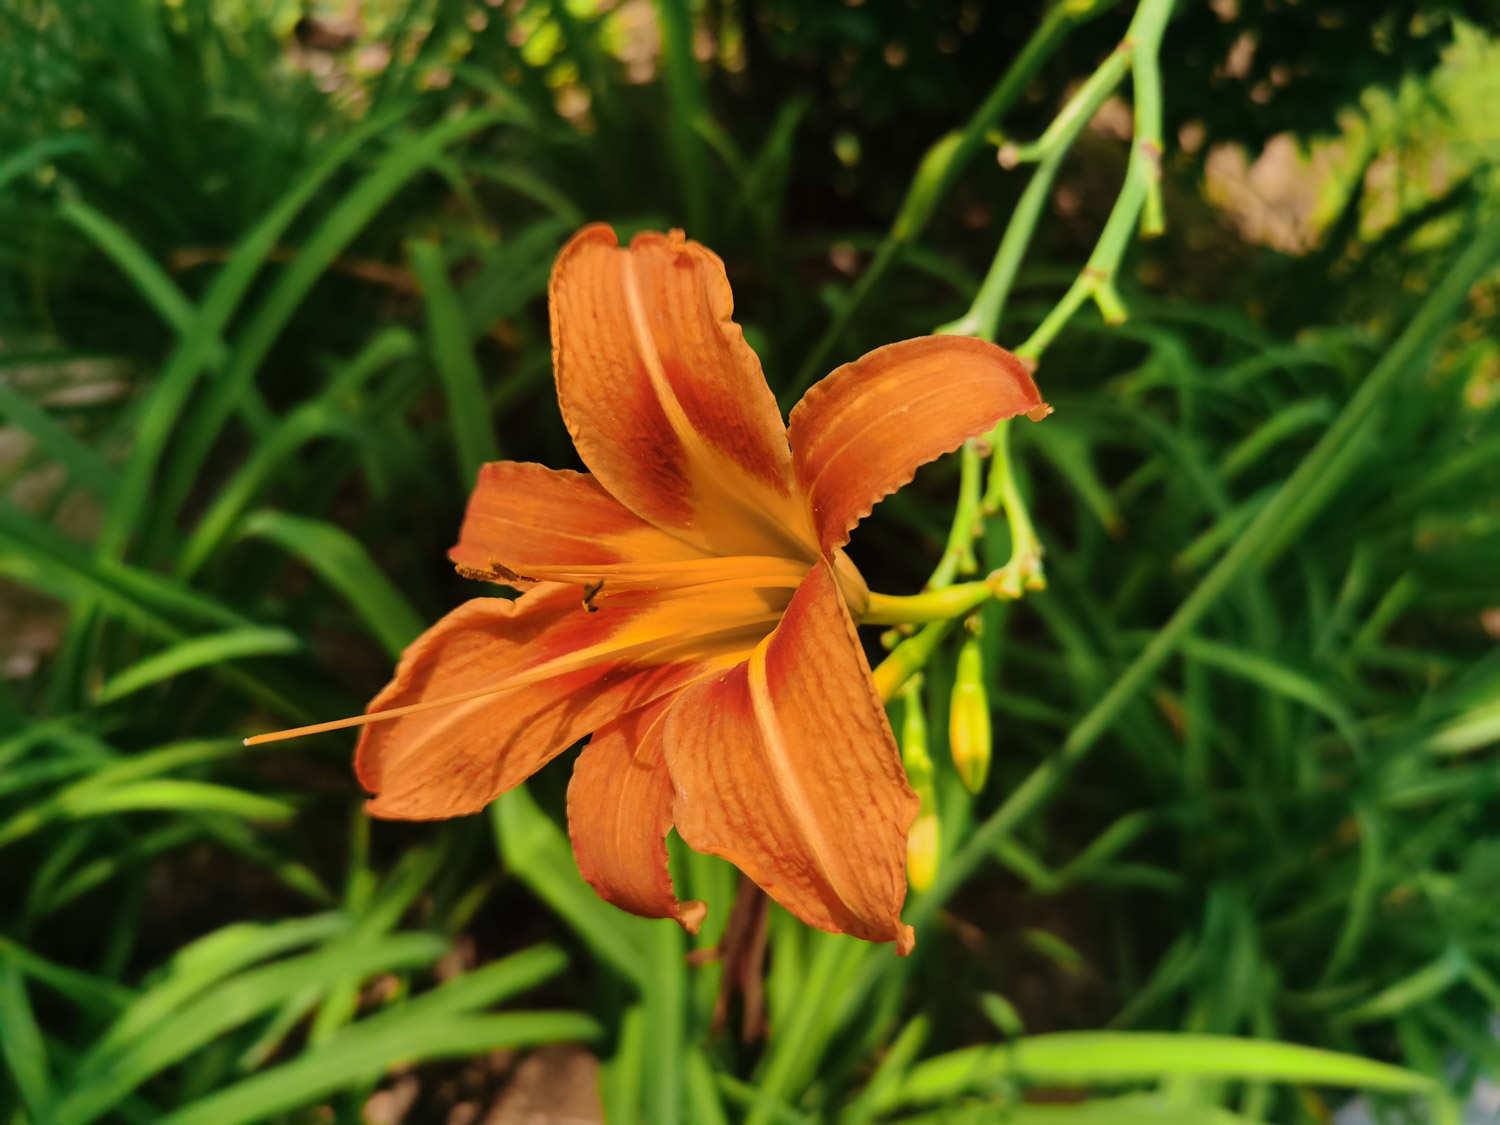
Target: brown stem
[(742, 951)]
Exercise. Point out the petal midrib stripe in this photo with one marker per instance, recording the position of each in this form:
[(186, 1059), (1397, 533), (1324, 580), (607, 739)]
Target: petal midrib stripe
[(700, 454), (794, 797), (917, 398)]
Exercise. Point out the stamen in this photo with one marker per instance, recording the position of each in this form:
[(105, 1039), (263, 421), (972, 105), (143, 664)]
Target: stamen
[(750, 571), (373, 716), (593, 583), (562, 665)]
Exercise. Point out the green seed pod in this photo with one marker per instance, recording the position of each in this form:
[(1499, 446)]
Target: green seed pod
[(924, 841), (969, 719)]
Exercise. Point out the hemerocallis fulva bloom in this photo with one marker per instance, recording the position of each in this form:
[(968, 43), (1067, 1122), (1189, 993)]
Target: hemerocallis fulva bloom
[(687, 601)]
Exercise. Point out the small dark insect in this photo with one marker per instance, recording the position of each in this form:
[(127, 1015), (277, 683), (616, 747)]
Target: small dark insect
[(590, 592)]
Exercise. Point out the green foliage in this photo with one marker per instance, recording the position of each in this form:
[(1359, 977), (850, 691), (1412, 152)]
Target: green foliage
[(264, 306)]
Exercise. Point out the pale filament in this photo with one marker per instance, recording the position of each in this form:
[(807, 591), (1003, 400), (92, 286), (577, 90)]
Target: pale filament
[(574, 661)]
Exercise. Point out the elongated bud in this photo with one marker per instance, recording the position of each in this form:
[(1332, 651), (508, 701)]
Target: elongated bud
[(924, 841), (922, 846), (969, 719), (926, 187)]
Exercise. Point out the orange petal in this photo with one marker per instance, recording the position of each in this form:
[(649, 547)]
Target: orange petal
[(619, 812), (785, 765), (527, 679), (862, 432), (522, 516), (665, 400)]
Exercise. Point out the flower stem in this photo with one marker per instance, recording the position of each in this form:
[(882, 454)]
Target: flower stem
[(1023, 570), (1140, 193), (909, 657), (959, 552), (929, 605), (935, 177), (1295, 503), (983, 318)]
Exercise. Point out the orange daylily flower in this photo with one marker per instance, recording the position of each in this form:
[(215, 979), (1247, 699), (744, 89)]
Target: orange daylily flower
[(687, 602)]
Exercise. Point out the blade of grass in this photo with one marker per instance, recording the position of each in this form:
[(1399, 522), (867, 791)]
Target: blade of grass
[(703, 1104), (490, 984), (1473, 730), (889, 1075), (179, 796), (380, 913), (623, 1076), (1433, 979), (41, 558), (325, 415), (96, 995), (525, 182), (104, 1077), (1362, 897), (148, 599), (538, 854), (196, 652), (240, 838), (1278, 679), (200, 965), (511, 276), (147, 796), (366, 1050), (1133, 1109), (339, 559), (666, 1011), (194, 352), (21, 1042), (153, 283), (685, 91), (1100, 1057), (793, 1055), (34, 155), (463, 386), (46, 896), (337, 229), (84, 465)]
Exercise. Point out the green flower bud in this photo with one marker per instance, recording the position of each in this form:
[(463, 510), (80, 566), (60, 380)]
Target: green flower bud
[(926, 188), (922, 846), (969, 719), (924, 841)]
